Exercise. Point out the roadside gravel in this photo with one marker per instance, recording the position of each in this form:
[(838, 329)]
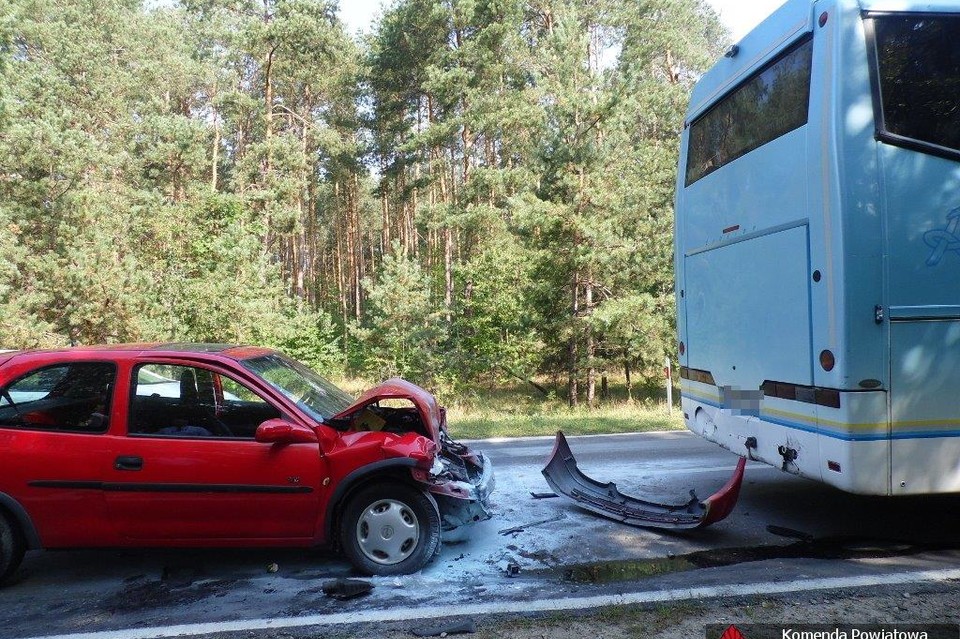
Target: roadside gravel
[(918, 604)]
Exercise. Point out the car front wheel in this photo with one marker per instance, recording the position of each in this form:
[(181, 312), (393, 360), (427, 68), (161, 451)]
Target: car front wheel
[(390, 530), (12, 547)]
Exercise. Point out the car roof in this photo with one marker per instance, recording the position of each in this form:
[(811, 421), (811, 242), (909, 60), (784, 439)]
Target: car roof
[(231, 351), (192, 348)]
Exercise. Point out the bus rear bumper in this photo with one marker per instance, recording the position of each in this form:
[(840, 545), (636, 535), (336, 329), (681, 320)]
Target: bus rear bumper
[(788, 439)]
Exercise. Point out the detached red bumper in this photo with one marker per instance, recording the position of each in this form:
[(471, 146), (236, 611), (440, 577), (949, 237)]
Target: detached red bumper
[(565, 478)]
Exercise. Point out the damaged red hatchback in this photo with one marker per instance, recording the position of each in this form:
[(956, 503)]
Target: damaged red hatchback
[(206, 445)]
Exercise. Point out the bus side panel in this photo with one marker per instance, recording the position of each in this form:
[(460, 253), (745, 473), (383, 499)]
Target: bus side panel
[(922, 215), (753, 326), (854, 444), (847, 248), (852, 266), (925, 407)]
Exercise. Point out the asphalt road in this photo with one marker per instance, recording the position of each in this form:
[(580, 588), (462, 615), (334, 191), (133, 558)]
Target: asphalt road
[(822, 538)]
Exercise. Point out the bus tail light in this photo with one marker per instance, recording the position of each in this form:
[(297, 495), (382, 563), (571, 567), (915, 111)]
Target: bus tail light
[(827, 360)]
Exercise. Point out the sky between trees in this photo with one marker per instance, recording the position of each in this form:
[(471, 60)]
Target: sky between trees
[(739, 16)]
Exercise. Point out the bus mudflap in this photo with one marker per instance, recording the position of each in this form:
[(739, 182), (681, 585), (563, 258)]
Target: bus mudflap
[(565, 478)]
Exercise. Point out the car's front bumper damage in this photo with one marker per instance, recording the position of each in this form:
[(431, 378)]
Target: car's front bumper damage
[(460, 481), (565, 478), (471, 503)]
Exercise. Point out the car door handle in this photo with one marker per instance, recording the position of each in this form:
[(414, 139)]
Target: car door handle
[(128, 463)]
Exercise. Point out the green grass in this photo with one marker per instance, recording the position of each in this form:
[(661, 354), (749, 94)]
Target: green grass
[(519, 410), (546, 418)]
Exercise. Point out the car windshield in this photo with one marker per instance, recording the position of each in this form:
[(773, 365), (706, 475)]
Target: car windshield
[(312, 393)]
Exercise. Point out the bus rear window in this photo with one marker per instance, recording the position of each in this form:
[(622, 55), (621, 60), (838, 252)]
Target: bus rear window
[(918, 66), (771, 103)]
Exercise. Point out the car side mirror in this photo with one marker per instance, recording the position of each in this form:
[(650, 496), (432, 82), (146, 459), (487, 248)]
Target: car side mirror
[(278, 431)]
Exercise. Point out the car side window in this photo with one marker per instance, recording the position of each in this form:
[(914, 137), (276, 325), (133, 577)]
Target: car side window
[(70, 397), (186, 401)]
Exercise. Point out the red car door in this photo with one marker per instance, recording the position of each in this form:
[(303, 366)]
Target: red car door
[(54, 418), (188, 468)]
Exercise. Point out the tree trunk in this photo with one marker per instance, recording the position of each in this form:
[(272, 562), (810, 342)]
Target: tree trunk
[(591, 345), (216, 152), (448, 273), (626, 370), (313, 276), (385, 236), (358, 241), (573, 390), (268, 105), (339, 253)]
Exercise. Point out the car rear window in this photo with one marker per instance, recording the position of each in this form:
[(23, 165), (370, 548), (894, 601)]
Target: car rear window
[(71, 397)]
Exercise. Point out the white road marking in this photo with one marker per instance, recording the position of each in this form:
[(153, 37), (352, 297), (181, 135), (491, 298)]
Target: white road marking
[(571, 603)]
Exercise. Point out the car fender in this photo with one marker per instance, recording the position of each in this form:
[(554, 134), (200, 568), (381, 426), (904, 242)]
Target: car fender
[(398, 469), (19, 513)]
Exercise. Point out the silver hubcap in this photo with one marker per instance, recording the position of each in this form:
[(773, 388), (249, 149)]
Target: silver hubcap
[(388, 531)]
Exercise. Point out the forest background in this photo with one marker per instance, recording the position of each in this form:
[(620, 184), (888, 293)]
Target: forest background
[(476, 191)]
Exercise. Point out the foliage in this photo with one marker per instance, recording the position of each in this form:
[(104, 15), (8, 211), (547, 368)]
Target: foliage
[(403, 332), (479, 190)]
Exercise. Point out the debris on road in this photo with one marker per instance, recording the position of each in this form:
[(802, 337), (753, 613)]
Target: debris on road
[(344, 589), (564, 477), (522, 527), (273, 568), (446, 629), (181, 576), (781, 531), (543, 495)]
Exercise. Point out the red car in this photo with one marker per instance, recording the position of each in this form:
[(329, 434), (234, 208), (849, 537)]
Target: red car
[(229, 446)]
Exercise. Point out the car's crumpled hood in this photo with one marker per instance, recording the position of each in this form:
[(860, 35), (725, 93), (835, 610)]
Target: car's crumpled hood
[(397, 388)]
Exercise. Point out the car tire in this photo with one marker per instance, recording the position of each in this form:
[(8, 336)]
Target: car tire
[(12, 547), (390, 529)]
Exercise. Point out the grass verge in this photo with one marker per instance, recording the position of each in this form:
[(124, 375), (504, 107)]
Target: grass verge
[(520, 410), (486, 422)]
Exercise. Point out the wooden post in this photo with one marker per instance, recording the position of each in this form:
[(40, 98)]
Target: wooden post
[(666, 370)]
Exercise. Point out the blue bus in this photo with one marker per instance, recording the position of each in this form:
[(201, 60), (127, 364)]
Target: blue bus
[(818, 246)]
